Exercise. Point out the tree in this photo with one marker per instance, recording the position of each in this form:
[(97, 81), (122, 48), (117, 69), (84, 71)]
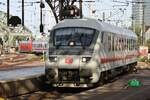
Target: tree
[(138, 32), (148, 44)]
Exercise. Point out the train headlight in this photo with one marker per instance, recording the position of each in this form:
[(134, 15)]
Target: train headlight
[(83, 59), (53, 59), (86, 59)]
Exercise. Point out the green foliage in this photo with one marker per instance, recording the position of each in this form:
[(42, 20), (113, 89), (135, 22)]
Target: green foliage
[(143, 59), (138, 32), (43, 57), (19, 38), (148, 43)]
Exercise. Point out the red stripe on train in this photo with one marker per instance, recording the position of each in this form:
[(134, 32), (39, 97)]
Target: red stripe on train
[(117, 58)]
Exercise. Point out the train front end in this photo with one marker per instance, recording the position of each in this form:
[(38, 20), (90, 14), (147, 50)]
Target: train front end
[(70, 58)]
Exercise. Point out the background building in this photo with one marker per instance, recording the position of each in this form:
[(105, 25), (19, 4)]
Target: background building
[(137, 13), (141, 17)]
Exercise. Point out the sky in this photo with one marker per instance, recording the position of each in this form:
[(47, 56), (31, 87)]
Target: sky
[(115, 13)]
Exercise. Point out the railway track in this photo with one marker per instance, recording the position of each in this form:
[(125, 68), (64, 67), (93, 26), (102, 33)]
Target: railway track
[(114, 85), (60, 93), (49, 94)]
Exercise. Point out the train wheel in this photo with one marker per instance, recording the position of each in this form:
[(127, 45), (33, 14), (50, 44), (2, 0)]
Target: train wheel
[(45, 85), (102, 79), (106, 76), (132, 68)]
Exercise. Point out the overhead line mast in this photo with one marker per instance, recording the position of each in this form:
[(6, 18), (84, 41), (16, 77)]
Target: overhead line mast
[(66, 8)]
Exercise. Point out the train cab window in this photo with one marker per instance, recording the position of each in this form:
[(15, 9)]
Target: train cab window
[(80, 36)]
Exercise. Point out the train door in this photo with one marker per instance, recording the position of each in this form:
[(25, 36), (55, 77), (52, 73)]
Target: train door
[(110, 50), (117, 50), (106, 51)]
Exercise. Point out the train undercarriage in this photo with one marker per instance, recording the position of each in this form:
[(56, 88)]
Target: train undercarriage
[(75, 78)]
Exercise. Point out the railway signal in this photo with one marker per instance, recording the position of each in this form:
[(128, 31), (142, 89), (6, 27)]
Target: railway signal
[(14, 21)]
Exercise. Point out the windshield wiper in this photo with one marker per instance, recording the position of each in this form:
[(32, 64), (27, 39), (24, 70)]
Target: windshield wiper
[(80, 38)]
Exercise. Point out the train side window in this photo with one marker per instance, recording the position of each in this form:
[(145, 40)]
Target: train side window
[(109, 43), (105, 41), (128, 44), (102, 37), (113, 43), (120, 44), (132, 44), (123, 44)]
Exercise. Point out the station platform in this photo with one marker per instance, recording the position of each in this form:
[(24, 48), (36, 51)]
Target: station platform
[(21, 79)]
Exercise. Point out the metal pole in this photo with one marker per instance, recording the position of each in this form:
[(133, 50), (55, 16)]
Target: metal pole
[(41, 13), (103, 16), (41, 16), (22, 12), (7, 12), (61, 9), (81, 9), (143, 24)]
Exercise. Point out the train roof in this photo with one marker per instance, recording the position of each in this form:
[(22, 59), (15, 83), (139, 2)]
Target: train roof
[(94, 24)]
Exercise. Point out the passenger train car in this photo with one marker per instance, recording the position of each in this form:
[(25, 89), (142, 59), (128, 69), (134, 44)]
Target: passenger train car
[(86, 52), (37, 47)]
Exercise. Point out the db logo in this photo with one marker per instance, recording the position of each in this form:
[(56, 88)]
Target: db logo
[(69, 60)]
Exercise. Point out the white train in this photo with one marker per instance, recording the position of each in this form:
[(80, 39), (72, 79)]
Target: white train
[(85, 52)]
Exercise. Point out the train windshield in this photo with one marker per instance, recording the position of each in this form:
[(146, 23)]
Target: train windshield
[(73, 37)]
